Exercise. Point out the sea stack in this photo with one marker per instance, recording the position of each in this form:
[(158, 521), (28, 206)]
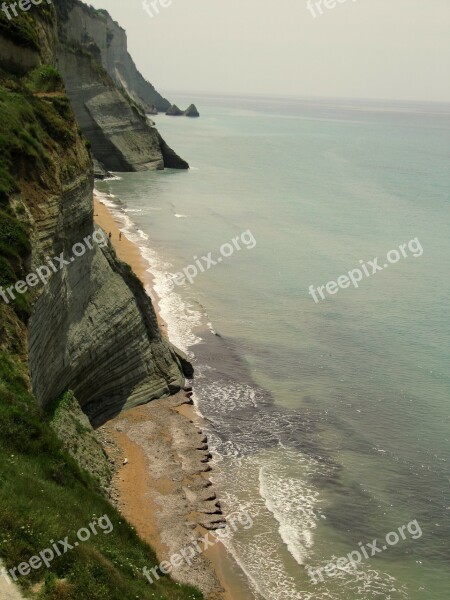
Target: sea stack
[(192, 111), (174, 111)]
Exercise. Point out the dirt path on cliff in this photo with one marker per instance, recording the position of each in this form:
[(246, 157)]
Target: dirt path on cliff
[(9, 591)]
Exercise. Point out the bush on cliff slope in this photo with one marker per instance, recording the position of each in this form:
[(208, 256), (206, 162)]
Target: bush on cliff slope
[(19, 30)]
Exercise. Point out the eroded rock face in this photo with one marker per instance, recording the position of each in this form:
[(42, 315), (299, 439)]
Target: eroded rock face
[(99, 170), (171, 158), (81, 24), (109, 96), (98, 343), (93, 328), (121, 136)]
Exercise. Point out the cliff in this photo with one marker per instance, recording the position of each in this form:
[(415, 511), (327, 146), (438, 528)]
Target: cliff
[(83, 25), (103, 341), (109, 96), (87, 327)]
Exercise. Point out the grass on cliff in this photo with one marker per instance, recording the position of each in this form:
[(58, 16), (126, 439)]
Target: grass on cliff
[(19, 30), (45, 78), (44, 496), (14, 251), (33, 128)]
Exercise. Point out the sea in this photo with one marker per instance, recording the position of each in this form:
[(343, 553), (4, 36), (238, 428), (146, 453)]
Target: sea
[(327, 411)]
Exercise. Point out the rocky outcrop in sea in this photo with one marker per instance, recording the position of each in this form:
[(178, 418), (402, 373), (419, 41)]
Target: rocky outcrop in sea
[(192, 111), (174, 111)]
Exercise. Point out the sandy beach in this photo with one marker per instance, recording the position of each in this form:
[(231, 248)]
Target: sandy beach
[(163, 489)]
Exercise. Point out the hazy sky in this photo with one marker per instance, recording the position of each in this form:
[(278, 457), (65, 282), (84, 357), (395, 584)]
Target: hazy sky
[(392, 49)]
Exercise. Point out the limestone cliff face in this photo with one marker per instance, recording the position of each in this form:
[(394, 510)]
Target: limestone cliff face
[(81, 24), (121, 137), (109, 96), (92, 327)]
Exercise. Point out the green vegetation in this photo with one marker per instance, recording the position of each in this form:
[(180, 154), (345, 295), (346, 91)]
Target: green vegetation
[(45, 78), (7, 275), (21, 138), (14, 243), (14, 252), (30, 129), (45, 496), (59, 406), (62, 106), (13, 236), (20, 30), (7, 183)]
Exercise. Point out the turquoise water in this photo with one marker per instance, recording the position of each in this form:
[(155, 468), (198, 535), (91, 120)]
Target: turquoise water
[(329, 420)]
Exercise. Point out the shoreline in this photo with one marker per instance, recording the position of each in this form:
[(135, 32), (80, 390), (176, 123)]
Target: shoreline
[(163, 490)]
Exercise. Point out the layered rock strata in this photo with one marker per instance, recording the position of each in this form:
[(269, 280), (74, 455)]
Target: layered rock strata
[(108, 94), (82, 25), (92, 328)]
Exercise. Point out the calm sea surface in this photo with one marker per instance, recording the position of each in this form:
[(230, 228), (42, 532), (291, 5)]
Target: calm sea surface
[(329, 421)]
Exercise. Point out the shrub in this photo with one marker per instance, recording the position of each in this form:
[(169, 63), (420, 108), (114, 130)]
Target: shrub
[(45, 78), (19, 30)]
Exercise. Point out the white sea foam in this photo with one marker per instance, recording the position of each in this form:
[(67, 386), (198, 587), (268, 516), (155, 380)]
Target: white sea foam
[(257, 551), (113, 177), (292, 503), (289, 503), (226, 398), (211, 328)]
